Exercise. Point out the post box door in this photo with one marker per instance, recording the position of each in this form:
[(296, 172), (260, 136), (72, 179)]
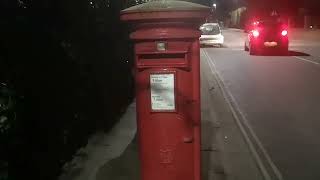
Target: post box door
[(166, 135)]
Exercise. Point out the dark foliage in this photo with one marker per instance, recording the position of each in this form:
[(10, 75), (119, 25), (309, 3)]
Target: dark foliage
[(69, 63)]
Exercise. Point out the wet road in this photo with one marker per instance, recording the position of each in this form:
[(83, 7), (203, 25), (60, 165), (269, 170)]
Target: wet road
[(279, 98)]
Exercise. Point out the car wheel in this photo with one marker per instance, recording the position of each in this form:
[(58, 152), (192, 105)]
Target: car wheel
[(252, 51), (285, 51), (246, 47)]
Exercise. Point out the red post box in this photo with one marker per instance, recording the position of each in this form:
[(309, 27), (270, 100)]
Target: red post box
[(167, 76)]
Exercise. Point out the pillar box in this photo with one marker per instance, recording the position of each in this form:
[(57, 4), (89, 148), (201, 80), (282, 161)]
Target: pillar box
[(167, 78)]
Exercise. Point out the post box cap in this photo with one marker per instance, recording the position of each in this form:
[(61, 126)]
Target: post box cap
[(168, 10), (165, 5)]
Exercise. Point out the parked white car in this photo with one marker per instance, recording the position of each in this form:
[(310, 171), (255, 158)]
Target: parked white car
[(211, 34)]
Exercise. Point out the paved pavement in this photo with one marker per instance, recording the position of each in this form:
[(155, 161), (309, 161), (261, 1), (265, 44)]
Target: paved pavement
[(103, 150), (278, 101)]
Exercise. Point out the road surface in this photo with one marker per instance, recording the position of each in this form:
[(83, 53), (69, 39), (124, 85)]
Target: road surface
[(278, 98)]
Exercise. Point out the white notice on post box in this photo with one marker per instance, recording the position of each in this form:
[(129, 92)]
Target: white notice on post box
[(162, 92)]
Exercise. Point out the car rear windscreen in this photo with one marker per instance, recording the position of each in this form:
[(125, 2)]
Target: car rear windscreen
[(211, 30)]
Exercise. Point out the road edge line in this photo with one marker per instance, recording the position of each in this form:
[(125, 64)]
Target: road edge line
[(234, 109), (306, 60)]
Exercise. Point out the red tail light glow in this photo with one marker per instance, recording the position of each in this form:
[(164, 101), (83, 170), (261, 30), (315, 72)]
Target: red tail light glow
[(284, 33), (255, 33)]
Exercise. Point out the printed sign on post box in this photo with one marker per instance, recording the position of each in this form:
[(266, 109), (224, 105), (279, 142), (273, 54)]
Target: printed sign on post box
[(162, 92)]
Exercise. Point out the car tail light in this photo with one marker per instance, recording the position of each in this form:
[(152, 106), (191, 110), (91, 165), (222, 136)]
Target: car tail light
[(284, 33), (255, 33)]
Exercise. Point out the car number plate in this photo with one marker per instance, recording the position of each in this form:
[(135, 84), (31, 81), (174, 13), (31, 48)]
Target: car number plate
[(270, 44)]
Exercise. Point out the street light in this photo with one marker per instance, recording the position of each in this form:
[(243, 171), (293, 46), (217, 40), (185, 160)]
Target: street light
[(215, 6)]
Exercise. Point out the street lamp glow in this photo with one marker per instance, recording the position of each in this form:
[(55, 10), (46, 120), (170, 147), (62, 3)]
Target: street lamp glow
[(215, 5)]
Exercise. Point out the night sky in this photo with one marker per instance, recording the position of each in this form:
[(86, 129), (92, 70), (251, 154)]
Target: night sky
[(287, 6)]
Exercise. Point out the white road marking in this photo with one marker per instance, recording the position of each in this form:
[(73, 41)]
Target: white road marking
[(306, 60), (230, 49), (237, 49), (230, 99)]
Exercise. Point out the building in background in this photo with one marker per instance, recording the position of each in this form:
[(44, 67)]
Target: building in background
[(238, 17)]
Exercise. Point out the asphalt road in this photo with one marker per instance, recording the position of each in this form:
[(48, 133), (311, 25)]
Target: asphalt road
[(279, 98)]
